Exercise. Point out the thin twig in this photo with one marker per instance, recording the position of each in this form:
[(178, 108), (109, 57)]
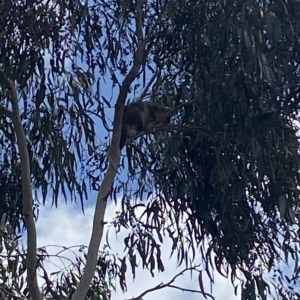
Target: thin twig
[(169, 284), (5, 111), (139, 23), (189, 290), (145, 90), (172, 111)]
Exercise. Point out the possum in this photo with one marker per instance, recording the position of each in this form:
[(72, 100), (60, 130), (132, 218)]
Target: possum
[(141, 116)]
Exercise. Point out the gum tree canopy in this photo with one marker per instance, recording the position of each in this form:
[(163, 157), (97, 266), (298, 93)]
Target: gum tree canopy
[(228, 170), (222, 179)]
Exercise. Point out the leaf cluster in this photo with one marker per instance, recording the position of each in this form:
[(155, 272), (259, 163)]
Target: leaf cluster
[(227, 170)]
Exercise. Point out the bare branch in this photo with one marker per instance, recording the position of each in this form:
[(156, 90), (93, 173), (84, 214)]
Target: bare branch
[(5, 111), (169, 284), (190, 291), (26, 193)]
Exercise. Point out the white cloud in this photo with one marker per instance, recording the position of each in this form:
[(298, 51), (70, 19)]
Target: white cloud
[(67, 226)]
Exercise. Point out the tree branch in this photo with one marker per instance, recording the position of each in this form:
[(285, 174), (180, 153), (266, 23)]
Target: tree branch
[(175, 109), (145, 90), (190, 291), (31, 259), (114, 153), (5, 111), (169, 284)]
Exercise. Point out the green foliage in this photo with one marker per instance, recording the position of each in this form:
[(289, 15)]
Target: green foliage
[(34, 36), (227, 171), (43, 45)]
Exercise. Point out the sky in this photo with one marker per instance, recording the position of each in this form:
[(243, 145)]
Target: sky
[(68, 226)]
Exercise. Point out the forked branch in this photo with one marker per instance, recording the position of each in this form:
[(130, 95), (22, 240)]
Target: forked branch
[(114, 154), (169, 284)]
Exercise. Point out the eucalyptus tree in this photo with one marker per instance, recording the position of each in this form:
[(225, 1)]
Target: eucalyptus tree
[(221, 180)]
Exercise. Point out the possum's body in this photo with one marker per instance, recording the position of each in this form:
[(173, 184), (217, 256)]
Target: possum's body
[(139, 117)]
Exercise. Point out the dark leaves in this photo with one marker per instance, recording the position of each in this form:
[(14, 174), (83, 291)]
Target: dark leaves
[(228, 169)]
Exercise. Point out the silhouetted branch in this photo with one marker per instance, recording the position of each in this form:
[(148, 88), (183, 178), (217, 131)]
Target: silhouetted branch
[(169, 284), (5, 111)]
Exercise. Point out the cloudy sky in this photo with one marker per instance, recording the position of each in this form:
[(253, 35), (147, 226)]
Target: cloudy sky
[(68, 226)]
